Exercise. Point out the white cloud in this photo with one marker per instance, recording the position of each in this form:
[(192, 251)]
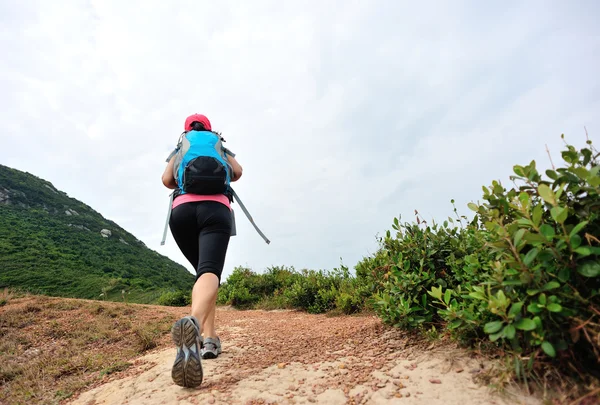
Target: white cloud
[(343, 114)]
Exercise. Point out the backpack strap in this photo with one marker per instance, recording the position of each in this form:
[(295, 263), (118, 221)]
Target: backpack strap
[(177, 147), (175, 192), (164, 238), (243, 207), (228, 152), (171, 155)]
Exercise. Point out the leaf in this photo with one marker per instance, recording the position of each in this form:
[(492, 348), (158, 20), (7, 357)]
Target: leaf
[(577, 228), (581, 172), (530, 256), (552, 174), (537, 214), (554, 307), (436, 292), (501, 297), (477, 295), (589, 269), (548, 349), (569, 156), (496, 336), (546, 193), (515, 309), (587, 250), (534, 308), (525, 324), (564, 274), (447, 296), (455, 323), (519, 170), (509, 331), (524, 198), (560, 190), (575, 241), (525, 222), (493, 327), (595, 181), (534, 237), (559, 214), (542, 299), (551, 285), (547, 231), (473, 206), (518, 236)]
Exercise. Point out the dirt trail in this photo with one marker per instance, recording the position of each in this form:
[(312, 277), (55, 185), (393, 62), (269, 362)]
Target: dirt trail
[(287, 357)]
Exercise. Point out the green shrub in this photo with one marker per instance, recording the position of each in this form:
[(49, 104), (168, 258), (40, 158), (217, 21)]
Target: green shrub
[(349, 303), (242, 289), (523, 274), (372, 271), (279, 287), (420, 257), (544, 286), (177, 298)]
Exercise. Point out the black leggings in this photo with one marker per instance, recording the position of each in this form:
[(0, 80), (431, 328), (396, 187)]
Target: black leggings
[(202, 230)]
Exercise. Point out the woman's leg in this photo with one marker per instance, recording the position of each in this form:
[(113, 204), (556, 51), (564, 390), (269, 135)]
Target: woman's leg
[(203, 297), (202, 231), (208, 328), (187, 367), (212, 343), (213, 242)]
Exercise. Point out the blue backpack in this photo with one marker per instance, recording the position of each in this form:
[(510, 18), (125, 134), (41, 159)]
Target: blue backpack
[(201, 167)]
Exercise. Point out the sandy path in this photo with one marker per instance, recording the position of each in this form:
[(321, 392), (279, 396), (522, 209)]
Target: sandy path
[(288, 357)]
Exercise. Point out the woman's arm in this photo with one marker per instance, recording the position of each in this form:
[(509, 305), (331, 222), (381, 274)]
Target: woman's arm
[(167, 177), (237, 169)]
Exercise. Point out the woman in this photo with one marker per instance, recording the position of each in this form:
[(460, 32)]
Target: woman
[(201, 226)]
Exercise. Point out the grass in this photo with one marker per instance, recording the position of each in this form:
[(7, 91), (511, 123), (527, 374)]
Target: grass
[(51, 348), (6, 295)]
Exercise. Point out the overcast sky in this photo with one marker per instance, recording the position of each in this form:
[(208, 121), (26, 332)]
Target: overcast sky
[(344, 114)]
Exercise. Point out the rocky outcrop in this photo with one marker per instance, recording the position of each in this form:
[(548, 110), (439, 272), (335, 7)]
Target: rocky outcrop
[(51, 189), (80, 227), (106, 233), (4, 196)]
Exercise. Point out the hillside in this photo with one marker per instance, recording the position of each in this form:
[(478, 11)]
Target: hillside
[(56, 245)]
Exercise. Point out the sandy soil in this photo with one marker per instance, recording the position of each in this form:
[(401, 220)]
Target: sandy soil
[(287, 357)]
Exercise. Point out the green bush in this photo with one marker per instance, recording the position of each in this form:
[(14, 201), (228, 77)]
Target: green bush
[(280, 287), (177, 298), (420, 257), (242, 289), (524, 273), (543, 290)]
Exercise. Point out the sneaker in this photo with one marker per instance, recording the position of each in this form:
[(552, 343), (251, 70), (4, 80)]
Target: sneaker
[(187, 368), (211, 348)]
